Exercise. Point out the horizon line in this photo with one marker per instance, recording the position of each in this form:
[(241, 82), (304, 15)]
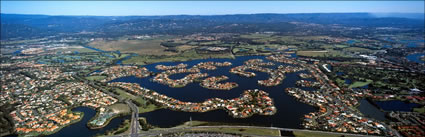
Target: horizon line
[(225, 14)]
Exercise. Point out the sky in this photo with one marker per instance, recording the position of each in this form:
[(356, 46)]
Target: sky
[(124, 8)]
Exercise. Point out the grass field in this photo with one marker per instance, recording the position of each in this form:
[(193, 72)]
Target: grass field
[(141, 47), (256, 36), (185, 47), (185, 56), (322, 53), (341, 46), (120, 108), (140, 100), (357, 49), (149, 108), (95, 78), (360, 83), (79, 49), (420, 110)]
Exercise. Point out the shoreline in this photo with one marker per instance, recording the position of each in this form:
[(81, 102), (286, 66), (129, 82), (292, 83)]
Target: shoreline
[(92, 127), (54, 131)]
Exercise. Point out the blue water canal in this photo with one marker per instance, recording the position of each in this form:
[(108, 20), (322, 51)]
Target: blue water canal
[(289, 111), (80, 128), (415, 57), (396, 105)]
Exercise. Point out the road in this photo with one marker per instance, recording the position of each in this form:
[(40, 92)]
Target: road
[(174, 130), (134, 119), (134, 109)]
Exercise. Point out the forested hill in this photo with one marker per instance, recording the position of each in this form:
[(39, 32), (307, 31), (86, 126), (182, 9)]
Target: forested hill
[(27, 26)]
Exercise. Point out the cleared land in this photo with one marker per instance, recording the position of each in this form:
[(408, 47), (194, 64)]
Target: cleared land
[(80, 49), (141, 47), (322, 53), (185, 56), (95, 78), (120, 108)]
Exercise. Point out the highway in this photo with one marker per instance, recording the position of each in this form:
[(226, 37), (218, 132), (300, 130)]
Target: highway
[(134, 109), (134, 119), (175, 130)]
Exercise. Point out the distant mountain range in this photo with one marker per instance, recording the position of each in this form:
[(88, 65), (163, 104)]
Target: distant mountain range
[(25, 26)]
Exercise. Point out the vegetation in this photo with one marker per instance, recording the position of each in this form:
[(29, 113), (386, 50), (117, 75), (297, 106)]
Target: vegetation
[(144, 105), (6, 121), (360, 83), (322, 53), (95, 78), (379, 80), (141, 47), (74, 49), (124, 127), (145, 125), (185, 56), (120, 108), (420, 110)]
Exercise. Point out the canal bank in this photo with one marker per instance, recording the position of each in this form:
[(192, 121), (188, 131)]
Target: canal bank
[(289, 111), (80, 128)]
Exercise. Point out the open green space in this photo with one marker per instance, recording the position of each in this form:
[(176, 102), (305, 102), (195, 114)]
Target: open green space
[(79, 49), (419, 110), (184, 56), (322, 53), (139, 100), (148, 108), (141, 47), (120, 108), (341, 46), (125, 95), (95, 78), (360, 83), (358, 49)]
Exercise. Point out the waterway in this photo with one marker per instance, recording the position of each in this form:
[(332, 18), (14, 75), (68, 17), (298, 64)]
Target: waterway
[(289, 111), (396, 105), (415, 57), (371, 111), (80, 128)]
